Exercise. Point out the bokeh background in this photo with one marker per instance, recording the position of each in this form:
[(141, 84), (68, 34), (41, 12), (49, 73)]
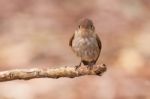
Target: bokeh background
[(35, 33)]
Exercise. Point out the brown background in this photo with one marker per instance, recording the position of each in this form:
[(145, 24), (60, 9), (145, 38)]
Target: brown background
[(35, 33)]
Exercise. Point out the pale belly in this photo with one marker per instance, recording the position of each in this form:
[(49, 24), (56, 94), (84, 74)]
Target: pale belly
[(86, 48)]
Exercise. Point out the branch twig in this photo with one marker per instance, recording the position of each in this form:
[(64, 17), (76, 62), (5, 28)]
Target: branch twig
[(68, 71)]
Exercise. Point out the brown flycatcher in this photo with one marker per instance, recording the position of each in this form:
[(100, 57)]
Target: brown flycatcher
[(85, 43)]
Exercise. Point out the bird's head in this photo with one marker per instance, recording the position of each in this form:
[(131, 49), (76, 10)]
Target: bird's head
[(86, 25)]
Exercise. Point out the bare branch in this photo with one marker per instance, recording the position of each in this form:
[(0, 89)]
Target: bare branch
[(68, 71)]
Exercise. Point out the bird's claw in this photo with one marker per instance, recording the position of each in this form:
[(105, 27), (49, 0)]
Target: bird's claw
[(76, 67)]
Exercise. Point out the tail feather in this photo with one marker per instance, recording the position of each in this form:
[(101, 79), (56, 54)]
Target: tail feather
[(91, 63)]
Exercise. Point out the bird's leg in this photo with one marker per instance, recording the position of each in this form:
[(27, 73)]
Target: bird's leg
[(90, 67), (76, 67)]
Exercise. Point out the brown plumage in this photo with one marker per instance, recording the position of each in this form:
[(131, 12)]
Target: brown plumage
[(85, 43)]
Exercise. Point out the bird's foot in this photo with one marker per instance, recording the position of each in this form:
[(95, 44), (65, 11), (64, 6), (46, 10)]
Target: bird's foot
[(77, 66)]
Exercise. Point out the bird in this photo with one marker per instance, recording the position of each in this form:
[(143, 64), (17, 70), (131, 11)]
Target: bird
[(85, 43)]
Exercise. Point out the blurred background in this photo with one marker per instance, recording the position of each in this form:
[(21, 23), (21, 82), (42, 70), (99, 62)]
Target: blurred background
[(35, 33)]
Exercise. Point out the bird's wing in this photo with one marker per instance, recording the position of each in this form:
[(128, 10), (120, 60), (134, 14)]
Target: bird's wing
[(71, 39), (99, 45), (99, 42)]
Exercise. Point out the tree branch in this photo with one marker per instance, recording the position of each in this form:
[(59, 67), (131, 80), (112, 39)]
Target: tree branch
[(68, 71)]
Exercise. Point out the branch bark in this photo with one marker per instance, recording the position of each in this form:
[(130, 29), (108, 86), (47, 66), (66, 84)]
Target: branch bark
[(68, 71)]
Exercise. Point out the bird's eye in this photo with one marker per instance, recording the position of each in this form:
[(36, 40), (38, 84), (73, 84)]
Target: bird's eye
[(92, 27), (79, 26)]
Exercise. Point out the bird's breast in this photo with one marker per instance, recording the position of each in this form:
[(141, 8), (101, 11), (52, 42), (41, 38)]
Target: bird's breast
[(85, 42), (86, 47)]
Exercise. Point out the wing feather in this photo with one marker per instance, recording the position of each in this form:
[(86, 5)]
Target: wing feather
[(71, 40), (99, 42)]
